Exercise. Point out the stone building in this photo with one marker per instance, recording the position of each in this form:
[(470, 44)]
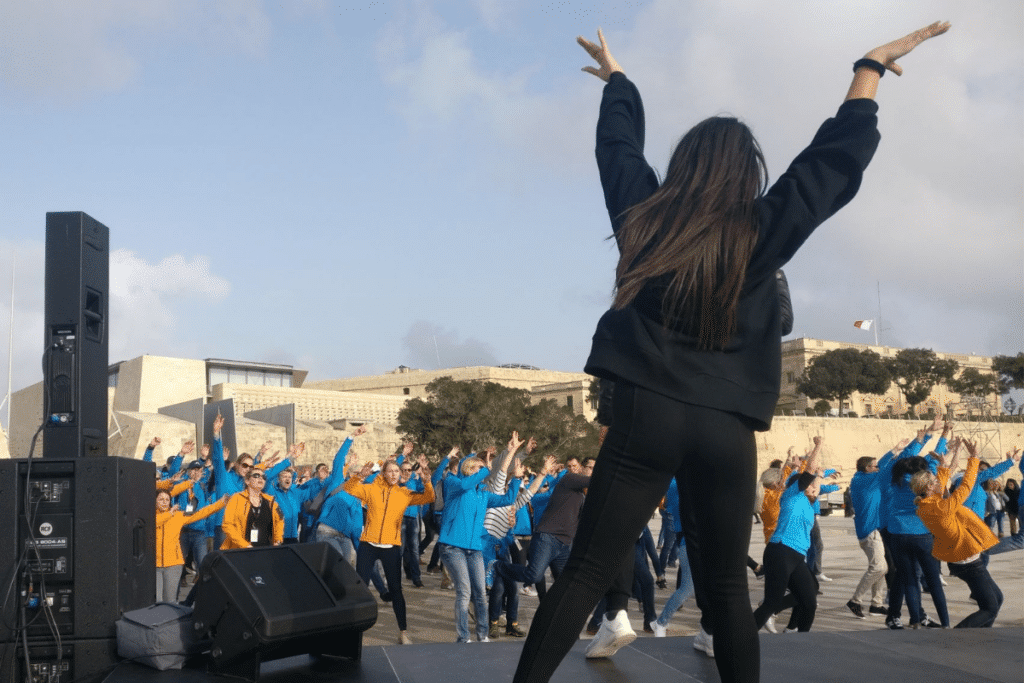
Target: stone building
[(798, 353), (156, 396)]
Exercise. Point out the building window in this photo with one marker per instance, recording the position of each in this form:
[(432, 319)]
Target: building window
[(112, 378), (568, 401), (790, 377), (405, 391)]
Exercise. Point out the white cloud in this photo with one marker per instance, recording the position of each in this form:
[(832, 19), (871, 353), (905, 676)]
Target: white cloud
[(144, 316), (61, 49), (939, 217), (147, 305)]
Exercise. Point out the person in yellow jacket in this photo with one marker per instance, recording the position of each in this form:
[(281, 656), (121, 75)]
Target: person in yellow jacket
[(960, 535), (252, 519), (385, 500), (169, 523)]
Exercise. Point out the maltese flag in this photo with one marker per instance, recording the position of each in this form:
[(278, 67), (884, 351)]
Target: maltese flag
[(863, 324)]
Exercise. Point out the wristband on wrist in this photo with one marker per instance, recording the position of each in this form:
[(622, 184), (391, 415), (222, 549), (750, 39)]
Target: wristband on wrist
[(871, 64)]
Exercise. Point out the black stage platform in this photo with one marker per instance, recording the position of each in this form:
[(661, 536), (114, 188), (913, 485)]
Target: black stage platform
[(924, 656)]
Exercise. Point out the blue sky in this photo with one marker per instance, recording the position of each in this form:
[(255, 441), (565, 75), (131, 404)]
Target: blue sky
[(348, 187)]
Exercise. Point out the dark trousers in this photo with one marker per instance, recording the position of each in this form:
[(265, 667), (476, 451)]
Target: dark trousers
[(786, 568), (712, 454), (911, 549), (391, 560), (984, 590)]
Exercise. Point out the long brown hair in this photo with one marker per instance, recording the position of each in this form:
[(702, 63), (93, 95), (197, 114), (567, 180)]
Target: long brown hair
[(697, 231)]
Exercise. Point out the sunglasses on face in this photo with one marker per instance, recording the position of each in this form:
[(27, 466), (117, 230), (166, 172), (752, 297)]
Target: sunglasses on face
[(256, 476)]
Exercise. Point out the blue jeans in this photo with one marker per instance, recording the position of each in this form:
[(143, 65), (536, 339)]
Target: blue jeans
[(681, 594), (411, 547), (195, 542), (341, 542), (545, 551), (984, 590), (466, 569), (1014, 542), (908, 548)]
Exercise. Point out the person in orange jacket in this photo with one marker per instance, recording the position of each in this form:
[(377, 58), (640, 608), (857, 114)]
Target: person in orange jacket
[(169, 523), (960, 535), (252, 518), (386, 499)]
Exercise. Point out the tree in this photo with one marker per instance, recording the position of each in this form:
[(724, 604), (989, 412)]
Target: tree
[(836, 374), (1010, 370), (973, 382), (917, 371), (822, 407), (476, 415)]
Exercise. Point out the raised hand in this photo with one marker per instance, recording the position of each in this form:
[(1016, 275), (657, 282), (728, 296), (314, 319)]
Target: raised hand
[(514, 443), (218, 422), (187, 448), (606, 63), (155, 442), (888, 54), (550, 463), (366, 471), (359, 431)]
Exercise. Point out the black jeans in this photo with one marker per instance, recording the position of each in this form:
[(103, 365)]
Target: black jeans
[(984, 590), (391, 559), (786, 568), (712, 454)]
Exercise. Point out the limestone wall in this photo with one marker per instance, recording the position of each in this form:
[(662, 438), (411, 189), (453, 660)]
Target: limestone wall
[(847, 439)]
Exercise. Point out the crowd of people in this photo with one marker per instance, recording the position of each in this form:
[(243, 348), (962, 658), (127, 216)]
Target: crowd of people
[(500, 528)]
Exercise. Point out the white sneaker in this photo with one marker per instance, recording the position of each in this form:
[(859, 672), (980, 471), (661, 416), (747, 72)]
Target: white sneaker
[(485, 639), (822, 577), (942, 580), (659, 630), (789, 630), (704, 642), (612, 635), (528, 592), (770, 625)]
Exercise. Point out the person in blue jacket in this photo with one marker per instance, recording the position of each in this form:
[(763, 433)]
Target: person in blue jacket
[(911, 542), (785, 563), (866, 496), (465, 504)]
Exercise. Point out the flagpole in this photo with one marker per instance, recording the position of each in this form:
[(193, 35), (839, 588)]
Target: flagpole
[(10, 348), (879, 284)]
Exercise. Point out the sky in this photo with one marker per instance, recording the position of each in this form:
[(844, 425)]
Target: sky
[(347, 187)]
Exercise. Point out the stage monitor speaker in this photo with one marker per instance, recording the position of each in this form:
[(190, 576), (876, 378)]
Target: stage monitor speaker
[(261, 604), (76, 336), (86, 548)]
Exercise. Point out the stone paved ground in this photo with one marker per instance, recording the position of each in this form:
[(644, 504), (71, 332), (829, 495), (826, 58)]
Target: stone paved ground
[(431, 620)]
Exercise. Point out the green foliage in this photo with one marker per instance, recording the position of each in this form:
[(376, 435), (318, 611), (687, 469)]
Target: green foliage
[(836, 374), (478, 415), (822, 407), (1010, 370), (917, 371), (973, 382)]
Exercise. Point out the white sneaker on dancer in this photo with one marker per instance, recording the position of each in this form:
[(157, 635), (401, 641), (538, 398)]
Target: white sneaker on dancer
[(822, 577), (612, 635), (659, 630), (770, 625), (704, 642)]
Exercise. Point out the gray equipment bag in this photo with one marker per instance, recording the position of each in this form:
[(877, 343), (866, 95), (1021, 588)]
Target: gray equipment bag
[(160, 636)]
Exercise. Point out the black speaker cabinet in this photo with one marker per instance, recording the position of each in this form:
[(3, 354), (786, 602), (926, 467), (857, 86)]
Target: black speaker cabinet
[(76, 333), (261, 604), (86, 546), (77, 661)]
